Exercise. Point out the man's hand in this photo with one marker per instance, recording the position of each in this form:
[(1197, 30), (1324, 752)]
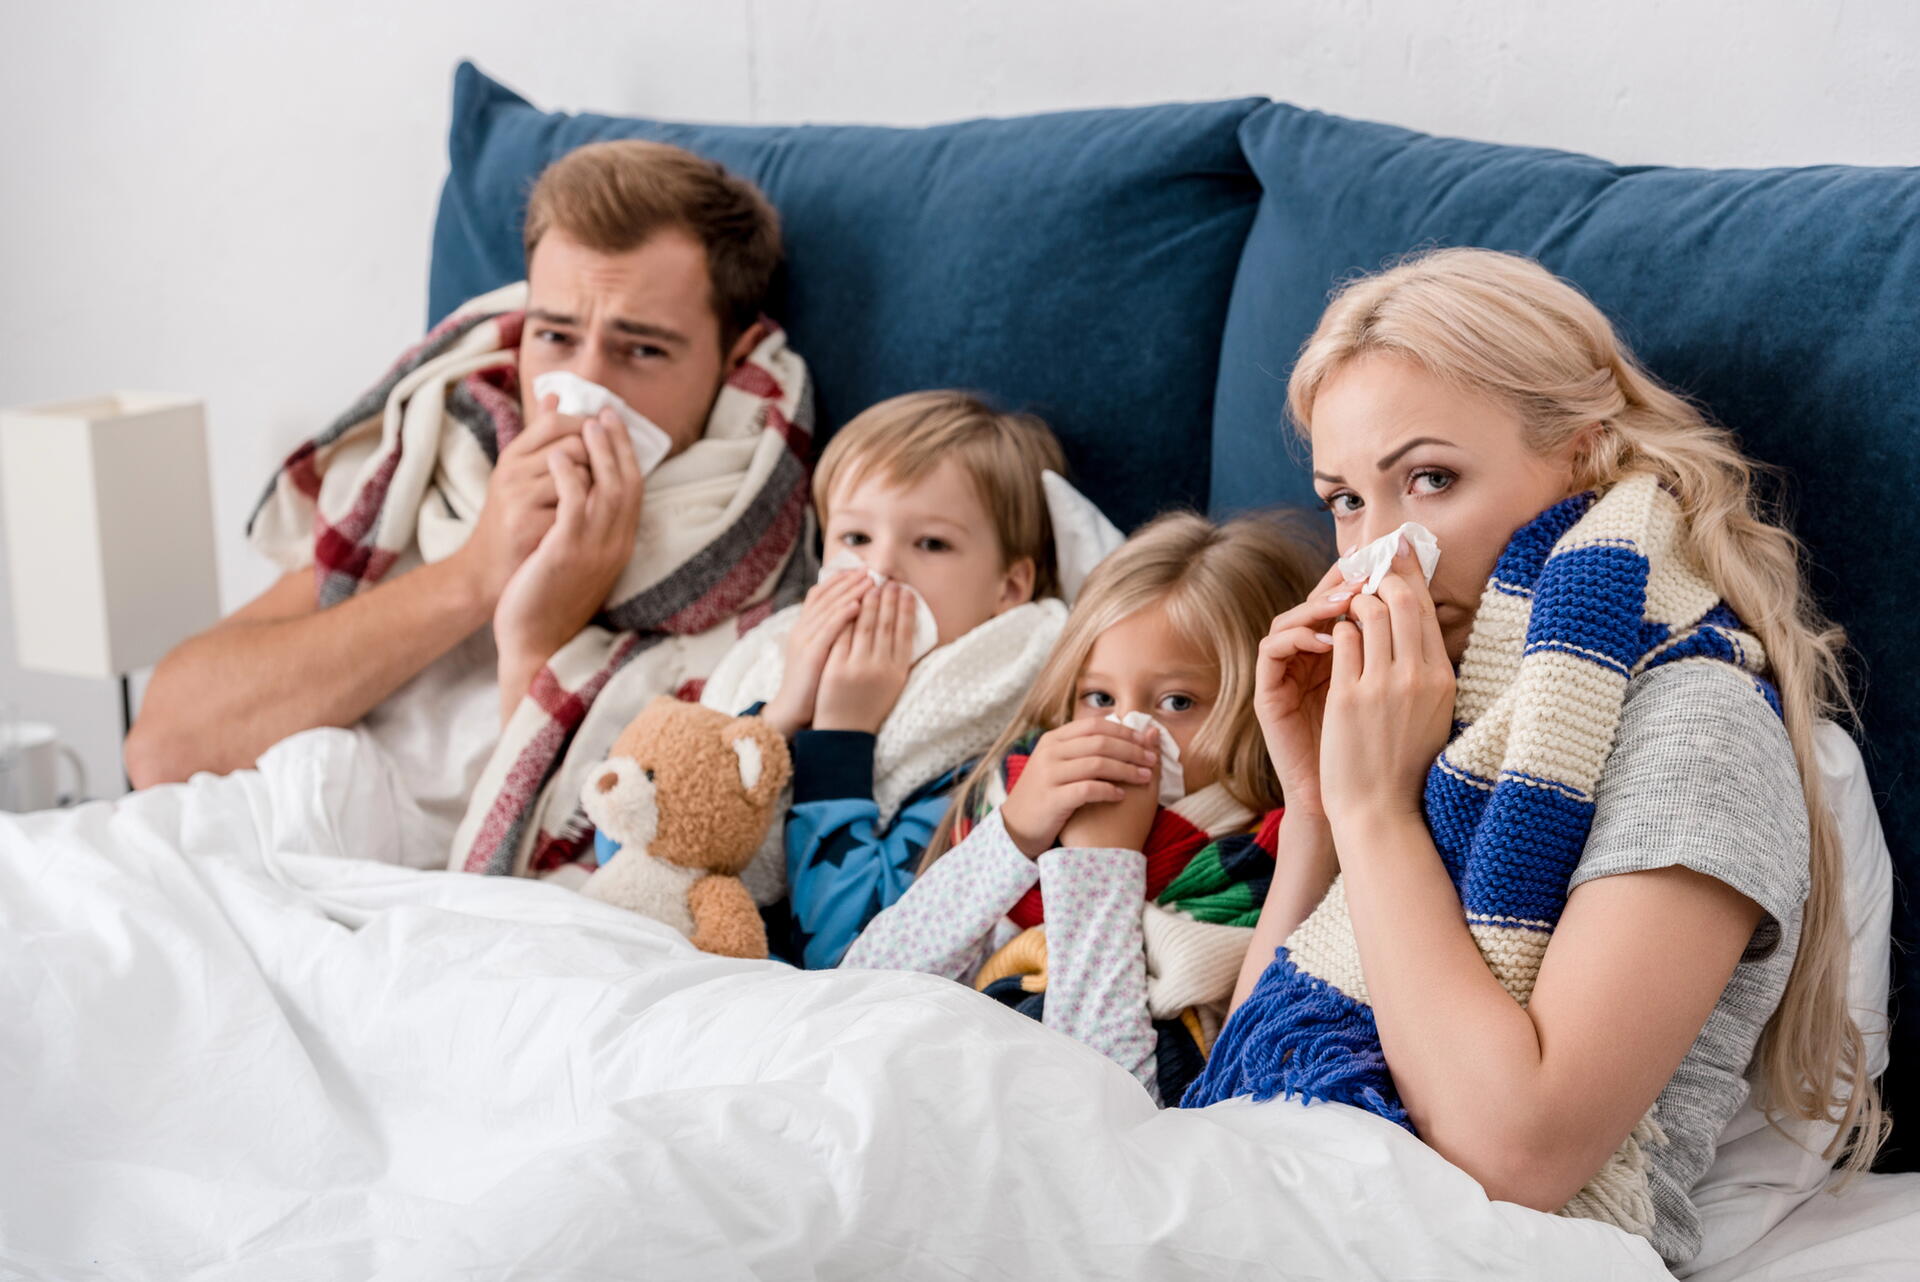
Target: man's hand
[(830, 609), (868, 664), (521, 499), (560, 587)]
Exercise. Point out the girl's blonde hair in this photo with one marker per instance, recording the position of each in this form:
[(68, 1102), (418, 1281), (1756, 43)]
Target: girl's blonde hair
[(905, 437), (1501, 325), (1221, 585)]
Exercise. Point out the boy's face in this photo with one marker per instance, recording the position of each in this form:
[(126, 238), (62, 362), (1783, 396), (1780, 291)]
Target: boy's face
[(936, 537)]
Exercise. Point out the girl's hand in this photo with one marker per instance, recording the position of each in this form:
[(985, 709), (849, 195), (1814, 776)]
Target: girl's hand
[(829, 609), (1083, 763), (1114, 825), (867, 666), (1290, 676), (1389, 702)]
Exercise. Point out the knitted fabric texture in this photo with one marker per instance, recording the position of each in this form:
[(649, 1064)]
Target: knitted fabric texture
[(720, 546), (1591, 593)]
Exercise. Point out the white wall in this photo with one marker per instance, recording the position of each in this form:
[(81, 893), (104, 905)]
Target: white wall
[(234, 200)]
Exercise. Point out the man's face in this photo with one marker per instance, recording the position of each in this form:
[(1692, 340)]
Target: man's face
[(639, 323)]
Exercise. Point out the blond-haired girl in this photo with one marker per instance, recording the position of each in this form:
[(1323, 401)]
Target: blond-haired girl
[(1057, 882), (1587, 885)]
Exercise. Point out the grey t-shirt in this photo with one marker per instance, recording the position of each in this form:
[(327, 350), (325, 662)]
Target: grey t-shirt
[(1702, 776)]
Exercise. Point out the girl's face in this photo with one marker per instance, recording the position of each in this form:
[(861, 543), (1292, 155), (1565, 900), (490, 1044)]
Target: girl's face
[(1142, 664), (937, 537), (1392, 443)]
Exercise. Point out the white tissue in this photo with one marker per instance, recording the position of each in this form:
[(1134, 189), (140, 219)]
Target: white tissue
[(1371, 563), (926, 632), (580, 398), (1173, 779)]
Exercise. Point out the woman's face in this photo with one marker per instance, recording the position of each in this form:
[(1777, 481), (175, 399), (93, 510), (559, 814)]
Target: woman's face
[(1392, 443)]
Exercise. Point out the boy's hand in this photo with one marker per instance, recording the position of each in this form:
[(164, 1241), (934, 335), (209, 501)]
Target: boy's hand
[(1083, 763), (868, 664), (1114, 825), (828, 610)]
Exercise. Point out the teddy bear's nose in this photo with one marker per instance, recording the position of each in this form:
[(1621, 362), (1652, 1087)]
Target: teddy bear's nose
[(607, 782)]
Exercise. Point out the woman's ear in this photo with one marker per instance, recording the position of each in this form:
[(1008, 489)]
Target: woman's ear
[(1017, 587)]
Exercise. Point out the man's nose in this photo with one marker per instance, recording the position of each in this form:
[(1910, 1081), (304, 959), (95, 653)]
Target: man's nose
[(589, 362)]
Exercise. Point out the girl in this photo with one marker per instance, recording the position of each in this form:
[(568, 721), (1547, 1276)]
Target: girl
[(1555, 951), (1056, 882)]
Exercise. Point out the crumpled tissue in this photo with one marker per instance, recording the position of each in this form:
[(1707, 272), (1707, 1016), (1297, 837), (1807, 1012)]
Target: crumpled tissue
[(1369, 564), (926, 632), (581, 398), (1173, 778)]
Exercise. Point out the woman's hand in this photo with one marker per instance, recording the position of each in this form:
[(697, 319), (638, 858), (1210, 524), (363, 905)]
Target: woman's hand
[(868, 663), (566, 579), (829, 609), (1291, 672), (1389, 701), (1086, 762)]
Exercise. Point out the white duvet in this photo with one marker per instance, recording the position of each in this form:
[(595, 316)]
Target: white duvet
[(237, 1042)]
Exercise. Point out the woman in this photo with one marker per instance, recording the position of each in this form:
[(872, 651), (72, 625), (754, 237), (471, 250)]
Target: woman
[(1555, 949)]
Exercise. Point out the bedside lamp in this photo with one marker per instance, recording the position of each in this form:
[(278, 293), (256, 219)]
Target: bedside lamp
[(109, 533)]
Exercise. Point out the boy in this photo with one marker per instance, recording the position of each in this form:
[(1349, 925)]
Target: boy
[(932, 495)]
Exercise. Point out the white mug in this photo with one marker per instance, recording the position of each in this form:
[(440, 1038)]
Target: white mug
[(30, 757)]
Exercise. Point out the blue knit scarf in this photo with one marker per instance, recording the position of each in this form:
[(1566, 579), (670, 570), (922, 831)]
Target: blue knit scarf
[(1589, 594)]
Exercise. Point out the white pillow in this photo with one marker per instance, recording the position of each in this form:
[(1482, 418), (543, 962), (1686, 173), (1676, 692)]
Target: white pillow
[(1759, 1176)]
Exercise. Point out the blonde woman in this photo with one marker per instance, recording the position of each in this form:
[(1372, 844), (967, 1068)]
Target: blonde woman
[(1059, 882), (1587, 882)]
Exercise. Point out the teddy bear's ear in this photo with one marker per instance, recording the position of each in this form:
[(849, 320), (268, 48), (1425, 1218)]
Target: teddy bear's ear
[(761, 753)]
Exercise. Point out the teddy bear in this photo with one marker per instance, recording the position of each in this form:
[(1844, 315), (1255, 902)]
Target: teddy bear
[(680, 806)]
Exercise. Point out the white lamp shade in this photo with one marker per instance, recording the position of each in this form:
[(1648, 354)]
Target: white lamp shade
[(109, 531)]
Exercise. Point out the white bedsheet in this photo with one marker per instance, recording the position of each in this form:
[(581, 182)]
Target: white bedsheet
[(235, 1043)]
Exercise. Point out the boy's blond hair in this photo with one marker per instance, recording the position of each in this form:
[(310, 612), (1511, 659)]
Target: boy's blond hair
[(906, 437)]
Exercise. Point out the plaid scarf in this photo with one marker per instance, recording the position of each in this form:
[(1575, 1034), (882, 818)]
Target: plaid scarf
[(1592, 592), (1205, 856), (405, 470)]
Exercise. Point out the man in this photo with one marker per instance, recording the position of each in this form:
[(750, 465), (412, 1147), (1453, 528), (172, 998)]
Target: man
[(647, 272)]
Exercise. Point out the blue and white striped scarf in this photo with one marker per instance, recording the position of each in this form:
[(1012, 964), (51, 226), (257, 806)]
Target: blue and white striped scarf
[(1589, 594)]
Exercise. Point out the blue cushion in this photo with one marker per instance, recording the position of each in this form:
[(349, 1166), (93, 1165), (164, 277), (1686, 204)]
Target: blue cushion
[(1787, 301), (1076, 264)]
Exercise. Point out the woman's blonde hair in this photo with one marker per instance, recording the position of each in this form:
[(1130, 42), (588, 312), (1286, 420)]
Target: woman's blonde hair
[(1501, 325), (1003, 454), (1221, 586)]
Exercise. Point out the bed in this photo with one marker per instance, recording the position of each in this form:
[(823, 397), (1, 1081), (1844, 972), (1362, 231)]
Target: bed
[(246, 1041)]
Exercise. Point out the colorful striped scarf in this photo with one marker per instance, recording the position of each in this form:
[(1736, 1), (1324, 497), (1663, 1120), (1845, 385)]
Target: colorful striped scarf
[(404, 472), (1591, 593)]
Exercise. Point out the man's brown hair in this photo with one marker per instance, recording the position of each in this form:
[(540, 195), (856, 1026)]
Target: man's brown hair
[(612, 196)]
